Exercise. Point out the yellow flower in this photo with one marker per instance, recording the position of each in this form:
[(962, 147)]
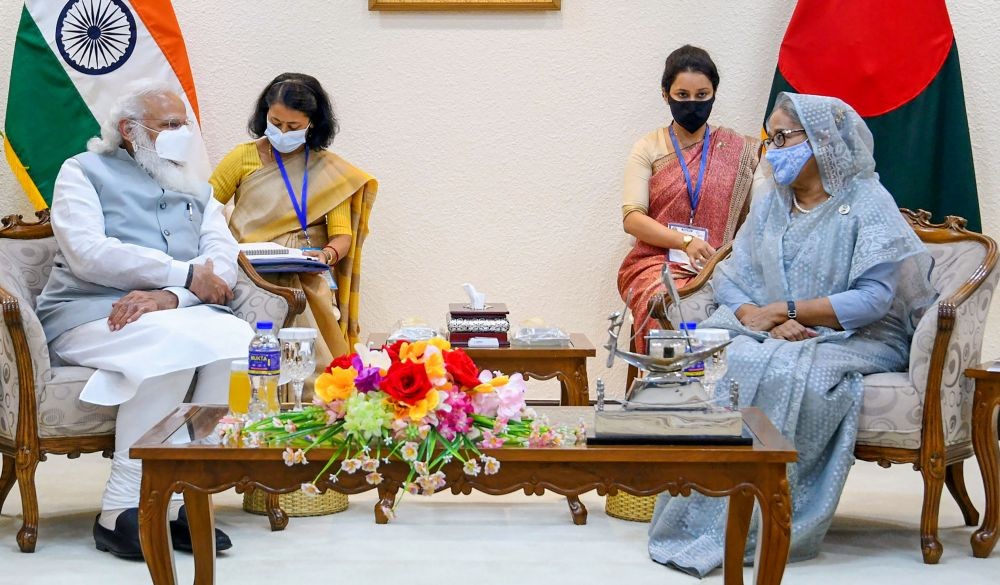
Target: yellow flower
[(440, 343), (419, 410), (434, 365), (337, 385), (413, 352)]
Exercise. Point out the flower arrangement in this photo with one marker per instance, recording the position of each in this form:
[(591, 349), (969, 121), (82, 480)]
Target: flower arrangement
[(422, 403)]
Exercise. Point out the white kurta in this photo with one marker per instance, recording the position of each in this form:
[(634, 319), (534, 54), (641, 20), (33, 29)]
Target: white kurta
[(157, 343)]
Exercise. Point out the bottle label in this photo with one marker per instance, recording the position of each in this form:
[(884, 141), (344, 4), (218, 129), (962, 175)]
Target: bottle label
[(265, 362)]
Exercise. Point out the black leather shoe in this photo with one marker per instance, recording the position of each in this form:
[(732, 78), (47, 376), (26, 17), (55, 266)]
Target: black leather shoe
[(123, 541), (180, 532)]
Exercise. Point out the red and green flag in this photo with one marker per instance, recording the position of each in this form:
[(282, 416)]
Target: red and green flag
[(896, 63), (71, 60)]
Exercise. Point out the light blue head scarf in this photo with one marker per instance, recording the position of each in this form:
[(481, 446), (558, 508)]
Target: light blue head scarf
[(781, 256)]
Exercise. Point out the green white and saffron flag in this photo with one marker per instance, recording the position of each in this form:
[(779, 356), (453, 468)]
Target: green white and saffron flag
[(896, 63), (71, 61)]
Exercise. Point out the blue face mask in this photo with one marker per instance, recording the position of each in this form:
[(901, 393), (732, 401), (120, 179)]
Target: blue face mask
[(788, 162), (285, 142)]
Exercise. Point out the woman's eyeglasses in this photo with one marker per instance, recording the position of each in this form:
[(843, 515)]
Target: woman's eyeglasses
[(778, 138)]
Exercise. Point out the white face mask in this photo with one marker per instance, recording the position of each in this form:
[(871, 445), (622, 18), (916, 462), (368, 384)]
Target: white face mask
[(285, 142), (173, 145)]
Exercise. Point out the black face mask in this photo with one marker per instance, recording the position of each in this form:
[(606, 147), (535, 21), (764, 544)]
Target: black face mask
[(690, 114)]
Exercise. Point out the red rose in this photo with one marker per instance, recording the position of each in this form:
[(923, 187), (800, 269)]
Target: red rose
[(462, 369), (393, 350), (406, 382), (343, 361)]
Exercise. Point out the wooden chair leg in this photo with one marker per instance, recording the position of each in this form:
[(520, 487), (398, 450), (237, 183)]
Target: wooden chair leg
[(7, 478), (954, 478), (24, 469), (930, 546)]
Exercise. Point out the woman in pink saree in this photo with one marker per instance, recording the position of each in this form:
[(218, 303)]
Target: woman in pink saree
[(682, 208)]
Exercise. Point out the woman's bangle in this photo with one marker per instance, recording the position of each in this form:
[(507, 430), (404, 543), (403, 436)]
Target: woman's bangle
[(325, 248)]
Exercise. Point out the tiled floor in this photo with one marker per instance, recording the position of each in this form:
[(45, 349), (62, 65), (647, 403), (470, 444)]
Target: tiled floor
[(482, 539)]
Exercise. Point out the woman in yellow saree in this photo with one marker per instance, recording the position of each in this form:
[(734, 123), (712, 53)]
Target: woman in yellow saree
[(288, 189)]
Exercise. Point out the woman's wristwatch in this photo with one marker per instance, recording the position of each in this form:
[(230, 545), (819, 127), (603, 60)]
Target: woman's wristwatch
[(687, 239)]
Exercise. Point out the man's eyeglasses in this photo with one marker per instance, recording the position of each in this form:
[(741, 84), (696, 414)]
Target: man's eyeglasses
[(171, 124), (778, 138)]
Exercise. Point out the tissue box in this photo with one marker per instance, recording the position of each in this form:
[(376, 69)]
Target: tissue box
[(464, 323)]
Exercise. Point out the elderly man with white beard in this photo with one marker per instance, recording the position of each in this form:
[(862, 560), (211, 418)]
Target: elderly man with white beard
[(139, 288)]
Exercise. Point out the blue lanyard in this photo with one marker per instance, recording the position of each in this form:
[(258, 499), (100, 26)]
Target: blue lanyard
[(300, 209), (694, 192)]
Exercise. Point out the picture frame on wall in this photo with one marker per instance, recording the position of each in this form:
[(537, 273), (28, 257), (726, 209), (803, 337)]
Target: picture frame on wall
[(455, 5)]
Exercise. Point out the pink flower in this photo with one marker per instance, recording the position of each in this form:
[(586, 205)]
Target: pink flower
[(454, 419), (491, 441), (486, 403), (511, 398)]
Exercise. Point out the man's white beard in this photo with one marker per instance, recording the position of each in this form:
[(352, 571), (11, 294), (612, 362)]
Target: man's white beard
[(169, 175)]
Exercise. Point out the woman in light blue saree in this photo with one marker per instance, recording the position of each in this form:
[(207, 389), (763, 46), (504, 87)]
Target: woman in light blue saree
[(825, 284)]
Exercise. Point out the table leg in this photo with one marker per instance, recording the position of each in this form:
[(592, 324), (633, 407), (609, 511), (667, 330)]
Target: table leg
[(775, 527), (737, 529), (577, 509), (276, 515), (574, 384), (984, 443), (386, 500), (201, 520), (154, 536)]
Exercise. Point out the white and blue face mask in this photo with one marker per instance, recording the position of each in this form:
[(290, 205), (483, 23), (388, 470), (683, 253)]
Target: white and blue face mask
[(788, 162), (285, 142)]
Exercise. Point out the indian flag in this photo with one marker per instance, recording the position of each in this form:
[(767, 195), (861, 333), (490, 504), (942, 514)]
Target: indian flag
[(896, 63), (71, 60)]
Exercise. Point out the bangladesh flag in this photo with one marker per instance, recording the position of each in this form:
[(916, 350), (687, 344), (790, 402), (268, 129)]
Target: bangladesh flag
[(896, 63), (71, 60)]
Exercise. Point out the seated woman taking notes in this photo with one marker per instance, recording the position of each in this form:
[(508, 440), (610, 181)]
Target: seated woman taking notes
[(691, 203), (288, 189)]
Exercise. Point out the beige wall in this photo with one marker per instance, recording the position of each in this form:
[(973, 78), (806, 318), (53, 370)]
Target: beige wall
[(499, 139)]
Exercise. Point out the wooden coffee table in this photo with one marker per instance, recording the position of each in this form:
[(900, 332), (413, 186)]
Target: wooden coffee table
[(175, 458), (985, 406), (567, 364)]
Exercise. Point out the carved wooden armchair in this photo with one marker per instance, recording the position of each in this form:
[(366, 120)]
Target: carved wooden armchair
[(922, 416), (40, 410)]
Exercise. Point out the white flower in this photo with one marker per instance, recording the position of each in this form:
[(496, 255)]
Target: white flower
[(471, 467), (293, 456), (374, 478), (420, 467), (333, 478), (310, 489), (350, 465), (373, 358), (490, 465), (409, 451), (369, 465)]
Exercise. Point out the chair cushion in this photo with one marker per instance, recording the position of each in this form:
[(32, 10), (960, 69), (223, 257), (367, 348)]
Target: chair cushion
[(891, 413), (62, 413)]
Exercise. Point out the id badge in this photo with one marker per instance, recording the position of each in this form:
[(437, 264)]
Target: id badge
[(680, 256)]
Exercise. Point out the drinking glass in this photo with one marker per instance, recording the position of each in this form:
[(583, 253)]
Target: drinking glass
[(239, 388), (715, 365), (298, 358)]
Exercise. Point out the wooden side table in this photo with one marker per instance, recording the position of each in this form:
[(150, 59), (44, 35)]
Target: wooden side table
[(567, 364), (985, 406)]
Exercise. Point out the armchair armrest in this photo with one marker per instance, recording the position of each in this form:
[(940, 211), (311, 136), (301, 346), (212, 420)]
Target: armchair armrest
[(257, 299), (18, 402), (659, 303)]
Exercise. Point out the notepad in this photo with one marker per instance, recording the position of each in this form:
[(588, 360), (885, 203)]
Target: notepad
[(268, 258)]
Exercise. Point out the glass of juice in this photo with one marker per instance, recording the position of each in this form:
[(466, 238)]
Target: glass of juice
[(239, 388)]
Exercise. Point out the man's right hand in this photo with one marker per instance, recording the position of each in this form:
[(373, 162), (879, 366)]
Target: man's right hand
[(208, 287)]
